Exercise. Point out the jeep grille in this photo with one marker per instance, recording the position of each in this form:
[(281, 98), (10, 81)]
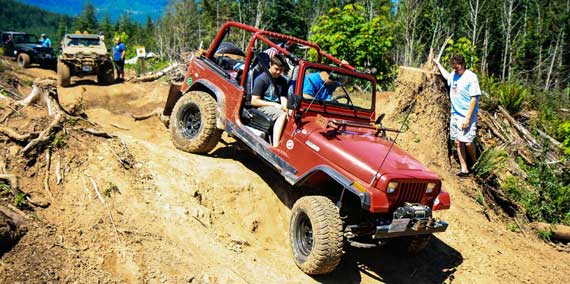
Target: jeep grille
[(411, 192)]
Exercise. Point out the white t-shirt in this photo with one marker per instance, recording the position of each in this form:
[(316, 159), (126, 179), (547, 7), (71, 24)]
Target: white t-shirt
[(462, 88)]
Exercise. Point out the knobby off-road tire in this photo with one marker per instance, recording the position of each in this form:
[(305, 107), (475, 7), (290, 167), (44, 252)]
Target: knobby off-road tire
[(23, 60), (193, 123), (63, 74), (316, 236), (105, 76)]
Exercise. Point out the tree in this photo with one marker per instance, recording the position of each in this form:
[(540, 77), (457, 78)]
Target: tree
[(282, 17), (347, 33), (87, 21)]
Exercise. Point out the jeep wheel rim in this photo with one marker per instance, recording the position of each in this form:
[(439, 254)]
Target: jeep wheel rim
[(304, 238), (191, 121)]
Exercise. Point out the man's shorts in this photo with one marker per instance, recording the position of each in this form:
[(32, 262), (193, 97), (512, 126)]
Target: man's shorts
[(463, 135), (120, 66), (271, 111)]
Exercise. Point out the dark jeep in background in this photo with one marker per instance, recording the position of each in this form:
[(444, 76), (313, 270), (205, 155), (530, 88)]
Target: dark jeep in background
[(27, 50)]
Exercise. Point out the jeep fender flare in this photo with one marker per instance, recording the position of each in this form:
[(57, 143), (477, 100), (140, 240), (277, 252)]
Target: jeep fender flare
[(340, 179), (208, 87)]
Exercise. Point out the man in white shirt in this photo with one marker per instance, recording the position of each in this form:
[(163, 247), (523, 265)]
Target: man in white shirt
[(464, 95)]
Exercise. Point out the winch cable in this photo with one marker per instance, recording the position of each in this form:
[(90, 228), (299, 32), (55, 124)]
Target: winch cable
[(394, 141)]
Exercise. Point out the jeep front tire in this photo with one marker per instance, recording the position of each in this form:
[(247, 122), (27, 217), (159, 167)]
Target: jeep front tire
[(23, 60), (193, 123), (63, 74), (105, 75), (316, 235)]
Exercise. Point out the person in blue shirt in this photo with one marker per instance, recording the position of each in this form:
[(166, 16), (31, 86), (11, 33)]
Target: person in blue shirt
[(46, 42), (320, 85), (119, 51), (464, 95)]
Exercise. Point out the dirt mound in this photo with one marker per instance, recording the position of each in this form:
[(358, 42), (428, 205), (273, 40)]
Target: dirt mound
[(424, 97)]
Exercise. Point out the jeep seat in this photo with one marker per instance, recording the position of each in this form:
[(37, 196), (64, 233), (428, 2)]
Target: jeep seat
[(252, 116)]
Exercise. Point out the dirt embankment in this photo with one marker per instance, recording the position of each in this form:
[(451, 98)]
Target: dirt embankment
[(173, 217)]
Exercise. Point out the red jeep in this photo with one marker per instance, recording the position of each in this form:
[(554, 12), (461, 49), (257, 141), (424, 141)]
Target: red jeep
[(358, 186)]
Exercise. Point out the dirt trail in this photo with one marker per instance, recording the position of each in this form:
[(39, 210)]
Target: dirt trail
[(223, 217)]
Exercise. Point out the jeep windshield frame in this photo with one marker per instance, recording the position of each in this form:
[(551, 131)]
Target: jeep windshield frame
[(360, 89), (25, 38)]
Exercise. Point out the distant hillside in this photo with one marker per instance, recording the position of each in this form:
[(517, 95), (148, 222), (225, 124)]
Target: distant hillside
[(15, 16), (137, 9)]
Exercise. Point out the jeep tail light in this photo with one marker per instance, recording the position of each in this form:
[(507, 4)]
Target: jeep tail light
[(392, 187)]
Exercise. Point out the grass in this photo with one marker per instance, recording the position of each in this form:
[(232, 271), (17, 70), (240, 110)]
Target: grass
[(490, 160), (59, 142)]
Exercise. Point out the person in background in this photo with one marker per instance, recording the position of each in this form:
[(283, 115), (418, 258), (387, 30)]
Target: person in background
[(320, 85), (119, 51), (464, 92), (46, 42)]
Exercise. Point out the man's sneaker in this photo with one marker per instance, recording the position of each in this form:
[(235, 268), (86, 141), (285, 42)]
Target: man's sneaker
[(462, 174)]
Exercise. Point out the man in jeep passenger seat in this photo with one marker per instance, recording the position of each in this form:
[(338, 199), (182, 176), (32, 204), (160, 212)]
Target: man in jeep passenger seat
[(270, 95)]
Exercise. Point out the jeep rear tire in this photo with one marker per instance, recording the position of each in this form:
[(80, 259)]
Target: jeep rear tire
[(316, 235), (63, 74), (193, 123), (23, 60)]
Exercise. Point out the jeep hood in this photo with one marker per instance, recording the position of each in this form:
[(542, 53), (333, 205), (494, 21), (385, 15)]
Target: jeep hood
[(362, 154), (29, 45), (85, 50)]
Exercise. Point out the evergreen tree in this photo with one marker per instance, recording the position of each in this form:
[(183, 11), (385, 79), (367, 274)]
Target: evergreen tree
[(87, 21)]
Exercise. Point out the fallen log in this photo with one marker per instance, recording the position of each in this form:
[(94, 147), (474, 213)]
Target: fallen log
[(559, 232), (525, 134), (156, 76)]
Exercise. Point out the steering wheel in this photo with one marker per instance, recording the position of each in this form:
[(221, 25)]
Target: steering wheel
[(338, 98)]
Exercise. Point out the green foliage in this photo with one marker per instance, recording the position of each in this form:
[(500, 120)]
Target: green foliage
[(564, 131), (20, 200), (4, 187), (489, 87), (463, 47), (549, 200), (511, 96), (282, 17), (544, 234), (59, 142), (349, 34), (490, 160)]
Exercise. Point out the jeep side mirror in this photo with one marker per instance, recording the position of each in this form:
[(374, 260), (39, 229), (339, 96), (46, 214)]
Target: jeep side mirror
[(380, 118), (294, 101)]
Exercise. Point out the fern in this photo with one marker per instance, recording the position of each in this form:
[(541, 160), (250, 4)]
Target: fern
[(491, 159)]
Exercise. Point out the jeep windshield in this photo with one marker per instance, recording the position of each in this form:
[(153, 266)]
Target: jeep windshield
[(334, 88), (25, 38), (84, 42)]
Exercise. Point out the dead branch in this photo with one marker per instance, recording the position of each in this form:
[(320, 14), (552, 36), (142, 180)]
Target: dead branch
[(46, 179), (46, 134), (85, 187), (145, 116), (559, 232), (17, 216), (11, 94), (118, 126), (525, 134), (12, 134), (58, 173), (6, 115), (168, 69), (106, 206), (486, 119), (96, 132), (549, 138)]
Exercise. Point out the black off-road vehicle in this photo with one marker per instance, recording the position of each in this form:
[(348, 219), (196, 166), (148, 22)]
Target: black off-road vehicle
[(27, 50)]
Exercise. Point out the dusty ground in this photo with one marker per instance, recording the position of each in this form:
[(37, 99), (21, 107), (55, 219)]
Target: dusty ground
[(223, 217)]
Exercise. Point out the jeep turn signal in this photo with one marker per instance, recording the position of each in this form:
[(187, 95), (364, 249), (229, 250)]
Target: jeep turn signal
[(392, 187), (430, 187)]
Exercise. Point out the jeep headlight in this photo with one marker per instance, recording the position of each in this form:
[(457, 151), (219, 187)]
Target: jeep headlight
[(392, 187), (430, 187)]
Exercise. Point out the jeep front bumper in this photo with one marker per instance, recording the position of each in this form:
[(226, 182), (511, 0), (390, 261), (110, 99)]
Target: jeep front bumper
[(409, 227)]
